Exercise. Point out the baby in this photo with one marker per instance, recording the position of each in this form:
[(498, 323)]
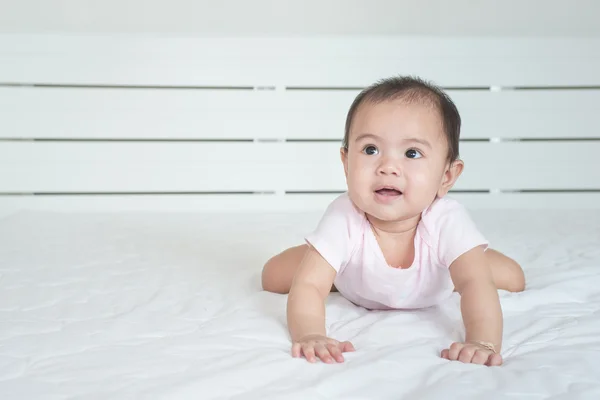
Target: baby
[(394, 240)]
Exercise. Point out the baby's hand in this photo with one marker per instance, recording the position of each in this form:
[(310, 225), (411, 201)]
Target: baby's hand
[(472, 353), (327, 349)]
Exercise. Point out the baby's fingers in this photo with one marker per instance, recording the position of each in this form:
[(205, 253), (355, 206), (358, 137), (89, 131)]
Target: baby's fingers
[(466, 354), (309, 353), (454, 351), (323, 353), (335, 352), (296, 350), (494, 360), (346, 347), (481, 357), (445, 354)]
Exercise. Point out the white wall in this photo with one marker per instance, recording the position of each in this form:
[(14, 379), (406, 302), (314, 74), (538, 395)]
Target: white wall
[(95, 121), (275, 17)]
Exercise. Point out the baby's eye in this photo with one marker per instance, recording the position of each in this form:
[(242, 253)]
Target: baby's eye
[(370, 150), (412, 153)]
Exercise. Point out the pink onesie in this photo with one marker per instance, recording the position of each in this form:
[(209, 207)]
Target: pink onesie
[(345, 239)]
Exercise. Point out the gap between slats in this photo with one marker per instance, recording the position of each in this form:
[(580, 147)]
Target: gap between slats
[(287, 140), (291, 192), (274, 87)]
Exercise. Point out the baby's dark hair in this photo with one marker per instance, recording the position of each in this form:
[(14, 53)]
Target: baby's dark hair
[(412, 90)]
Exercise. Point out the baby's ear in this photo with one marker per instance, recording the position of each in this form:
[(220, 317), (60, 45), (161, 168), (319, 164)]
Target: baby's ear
[(453, 171), (344, 157)]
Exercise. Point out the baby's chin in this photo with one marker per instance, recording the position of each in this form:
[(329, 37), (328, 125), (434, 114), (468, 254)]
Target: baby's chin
[(385, 213), (387, 216)]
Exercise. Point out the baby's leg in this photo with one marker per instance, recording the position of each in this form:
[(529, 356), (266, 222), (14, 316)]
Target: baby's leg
[(507, 273), (279, 271)]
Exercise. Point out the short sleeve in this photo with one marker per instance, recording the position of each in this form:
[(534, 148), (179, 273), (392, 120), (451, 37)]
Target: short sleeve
[(333, 238), (457, 232)]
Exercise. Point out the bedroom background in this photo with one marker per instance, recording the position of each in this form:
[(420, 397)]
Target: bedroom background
[(186, 105)]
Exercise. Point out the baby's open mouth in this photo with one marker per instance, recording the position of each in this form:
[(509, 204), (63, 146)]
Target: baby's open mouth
[(388, 192)]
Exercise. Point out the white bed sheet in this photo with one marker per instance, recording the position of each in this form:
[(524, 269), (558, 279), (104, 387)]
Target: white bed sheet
[(169, 306)]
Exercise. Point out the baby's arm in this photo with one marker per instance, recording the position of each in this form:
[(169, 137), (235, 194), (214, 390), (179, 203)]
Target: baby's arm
[(481, 311), (306, 311)]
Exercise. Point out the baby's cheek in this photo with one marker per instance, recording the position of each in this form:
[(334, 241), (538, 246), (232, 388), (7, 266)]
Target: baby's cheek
[(424, 182), (419, 177), (357, 174)]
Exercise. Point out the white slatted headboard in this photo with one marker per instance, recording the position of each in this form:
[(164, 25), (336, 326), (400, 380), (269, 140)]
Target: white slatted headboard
[(115, 123)]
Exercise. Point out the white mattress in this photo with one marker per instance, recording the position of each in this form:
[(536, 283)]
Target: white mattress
[(169, 306)]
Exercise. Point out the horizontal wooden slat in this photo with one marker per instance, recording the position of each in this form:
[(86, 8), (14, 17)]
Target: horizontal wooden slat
[(167, 166), (199, 166), (244, 114), (269, 203), (311, 61), (183, 114)]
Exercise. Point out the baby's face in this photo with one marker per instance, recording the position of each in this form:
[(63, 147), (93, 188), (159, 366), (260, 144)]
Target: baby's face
[(396, 161)]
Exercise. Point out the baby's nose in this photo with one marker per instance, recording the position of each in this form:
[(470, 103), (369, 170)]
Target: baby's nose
[(390, 167)]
